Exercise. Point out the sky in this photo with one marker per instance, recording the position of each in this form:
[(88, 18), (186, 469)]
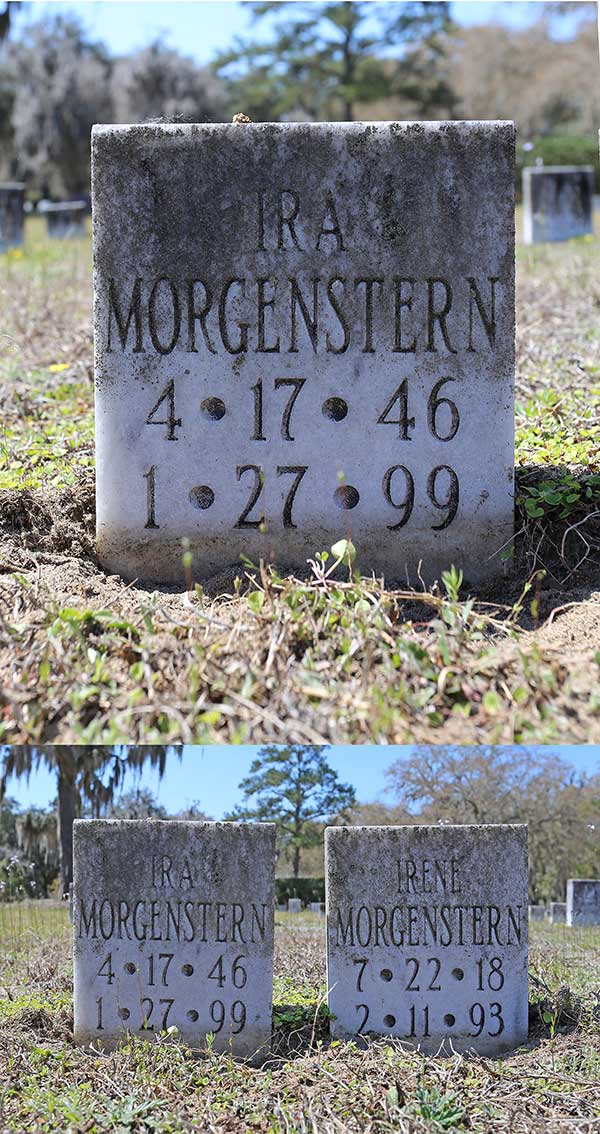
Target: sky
[(202, 28), (210, 775)]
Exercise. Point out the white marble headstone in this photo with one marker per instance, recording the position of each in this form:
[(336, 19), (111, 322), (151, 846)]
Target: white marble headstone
[(304, 332), (583, 901), (173, 925), (427, 935)]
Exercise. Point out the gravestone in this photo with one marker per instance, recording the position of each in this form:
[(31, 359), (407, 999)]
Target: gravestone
[(583, 901), (12, 203), (173, 925), (538, 913), (294, 905), (557, 202), (558, 913), (315, 907), (65, 219), (427, 935), (304, 332)]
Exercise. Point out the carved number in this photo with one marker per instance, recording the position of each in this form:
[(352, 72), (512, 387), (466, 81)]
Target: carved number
[(406, 504), (413, 1021), (451, 502), (433, 406), (297, 471), (218, 1013), (171, 422), (477, 1018), (145, 1025), (243, 521), (363, 964), (432, 986), (257, 390), (403, 421), (150, 478), (364, 1008), (239, 976)]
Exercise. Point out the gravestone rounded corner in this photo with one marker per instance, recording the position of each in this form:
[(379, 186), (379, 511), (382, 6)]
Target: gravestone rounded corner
[(304, 331)]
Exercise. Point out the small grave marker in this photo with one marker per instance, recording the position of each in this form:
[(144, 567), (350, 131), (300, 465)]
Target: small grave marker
[(294, 905), (557, 202), (12, 202), (558, 913), (538, 913), (65, 219), (173, 925), (583, 901), (427, 935), (304, 332)]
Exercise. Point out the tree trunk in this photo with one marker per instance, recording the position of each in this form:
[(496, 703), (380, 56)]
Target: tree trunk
[(296, 861), (67, 806)]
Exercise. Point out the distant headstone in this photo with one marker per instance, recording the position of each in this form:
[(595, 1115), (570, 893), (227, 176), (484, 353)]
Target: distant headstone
[(558, 913), (304, 331), (583, 901), (557, 202), (173, 926), (315, 907), (427, 935), (12, 204), (66, 219), (294, 905), (538, 913)]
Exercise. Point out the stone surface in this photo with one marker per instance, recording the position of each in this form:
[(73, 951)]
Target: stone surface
[(538, 913), (173, 924), (315, 907), (12, 202), (304, 332), (558, 913), (427, 935), (66, 219), (294, 905), (557, 202), (583, 901)]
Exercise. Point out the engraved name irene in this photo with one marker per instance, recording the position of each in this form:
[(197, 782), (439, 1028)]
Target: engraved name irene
[(327, 314)]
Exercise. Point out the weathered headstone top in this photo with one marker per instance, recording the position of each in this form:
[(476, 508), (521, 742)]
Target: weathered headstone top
[(557, 202), (583, 901), (12, 202), (304, 332), (173, 925), (427, 935)]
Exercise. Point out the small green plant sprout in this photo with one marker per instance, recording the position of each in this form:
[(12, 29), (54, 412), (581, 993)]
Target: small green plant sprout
[(453, 580), (444, 1111)]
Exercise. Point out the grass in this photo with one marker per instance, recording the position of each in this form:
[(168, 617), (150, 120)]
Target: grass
[(47, 1084), (85, 657)]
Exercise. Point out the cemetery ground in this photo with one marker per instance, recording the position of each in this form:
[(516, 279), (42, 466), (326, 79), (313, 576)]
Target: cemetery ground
[(87, 657), (49, 1084)]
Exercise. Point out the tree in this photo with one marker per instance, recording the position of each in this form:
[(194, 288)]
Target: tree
[(7, 12), (295, 787), (479, 784), (159, 82), (83, 773), (323, 59), (63, 87)]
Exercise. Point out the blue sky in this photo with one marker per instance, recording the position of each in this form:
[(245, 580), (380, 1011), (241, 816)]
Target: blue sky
[(210, 775), (202, 28)]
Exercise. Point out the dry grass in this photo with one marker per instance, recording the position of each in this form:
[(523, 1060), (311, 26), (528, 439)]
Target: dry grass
[(48, 1084), (84, 657)]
